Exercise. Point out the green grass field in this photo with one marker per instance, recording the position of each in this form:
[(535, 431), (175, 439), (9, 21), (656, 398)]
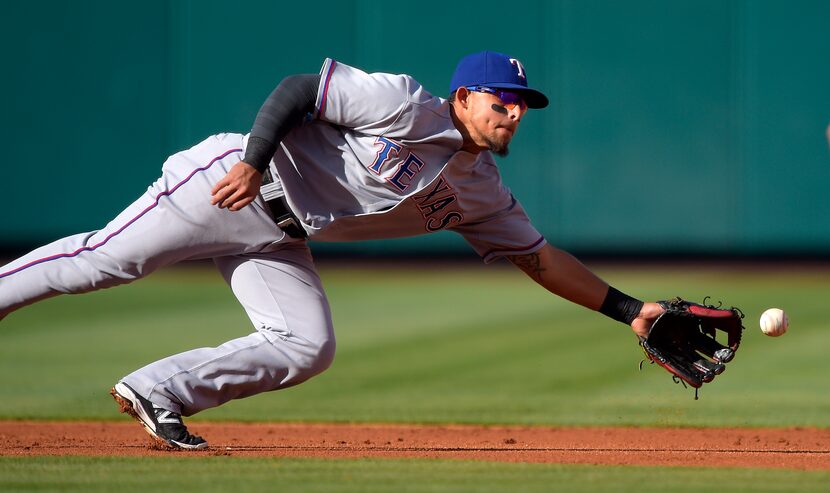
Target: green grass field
[(426, 345), (221, 475)]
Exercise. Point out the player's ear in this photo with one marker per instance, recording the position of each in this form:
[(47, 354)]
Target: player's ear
[(462, 95)]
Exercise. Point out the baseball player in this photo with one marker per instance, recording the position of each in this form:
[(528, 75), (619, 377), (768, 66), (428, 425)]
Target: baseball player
[(339, 156)]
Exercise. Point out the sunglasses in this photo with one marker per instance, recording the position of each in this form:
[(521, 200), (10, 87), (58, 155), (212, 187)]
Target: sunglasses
[(510, 99)]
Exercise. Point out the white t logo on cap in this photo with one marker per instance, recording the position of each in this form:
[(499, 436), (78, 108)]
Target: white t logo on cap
[(518, 65)]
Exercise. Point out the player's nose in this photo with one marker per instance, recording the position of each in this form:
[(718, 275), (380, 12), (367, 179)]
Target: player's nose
[(515, 113)]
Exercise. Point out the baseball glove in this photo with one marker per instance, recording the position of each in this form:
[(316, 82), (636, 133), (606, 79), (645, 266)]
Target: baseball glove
[(682, 340)]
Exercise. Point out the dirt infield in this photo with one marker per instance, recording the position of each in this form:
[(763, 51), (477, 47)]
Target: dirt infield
[(794, 448)]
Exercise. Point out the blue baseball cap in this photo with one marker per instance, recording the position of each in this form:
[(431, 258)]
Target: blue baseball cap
[(499, 71)]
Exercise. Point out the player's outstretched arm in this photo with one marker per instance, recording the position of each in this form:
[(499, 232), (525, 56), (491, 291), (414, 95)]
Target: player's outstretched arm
[(563, 275), (238, 188)]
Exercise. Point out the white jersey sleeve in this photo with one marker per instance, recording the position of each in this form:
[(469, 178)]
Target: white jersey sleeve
[(388, 105), (368, 103), (506, 232)]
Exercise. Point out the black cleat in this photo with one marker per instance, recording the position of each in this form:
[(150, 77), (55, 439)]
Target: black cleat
[(166, 427)]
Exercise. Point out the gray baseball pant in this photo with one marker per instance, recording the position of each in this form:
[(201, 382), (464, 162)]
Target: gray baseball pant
[(272, 275)]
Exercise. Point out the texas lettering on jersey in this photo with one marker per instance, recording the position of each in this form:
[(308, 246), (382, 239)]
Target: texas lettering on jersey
[(391, 151), (433, 202)]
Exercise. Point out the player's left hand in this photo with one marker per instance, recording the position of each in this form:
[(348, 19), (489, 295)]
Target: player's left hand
[(648, 314), (238, 188), (683, 340)]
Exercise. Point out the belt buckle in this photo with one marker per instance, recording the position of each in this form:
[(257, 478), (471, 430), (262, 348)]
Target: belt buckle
[(287, 222)]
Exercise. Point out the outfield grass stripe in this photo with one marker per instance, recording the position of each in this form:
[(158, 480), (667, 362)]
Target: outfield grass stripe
[(221, 474), (482, 345)]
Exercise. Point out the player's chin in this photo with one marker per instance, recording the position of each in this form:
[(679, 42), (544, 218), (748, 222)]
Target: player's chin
[(498, 145)]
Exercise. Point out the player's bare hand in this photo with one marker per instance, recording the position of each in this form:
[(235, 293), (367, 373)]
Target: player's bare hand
[(648, 314), (238, 188)]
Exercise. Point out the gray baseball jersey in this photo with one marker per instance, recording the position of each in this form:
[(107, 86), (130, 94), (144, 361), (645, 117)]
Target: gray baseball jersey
[(380, 159)]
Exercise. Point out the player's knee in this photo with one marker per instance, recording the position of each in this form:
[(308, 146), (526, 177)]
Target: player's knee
[(301, 357), (306, 359), (321, 358)]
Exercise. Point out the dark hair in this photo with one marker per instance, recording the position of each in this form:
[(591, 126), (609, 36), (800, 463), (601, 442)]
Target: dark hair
[(451, 98)]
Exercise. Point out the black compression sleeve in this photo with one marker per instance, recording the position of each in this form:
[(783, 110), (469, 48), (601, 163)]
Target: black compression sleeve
[(620, 306), (284, 110)]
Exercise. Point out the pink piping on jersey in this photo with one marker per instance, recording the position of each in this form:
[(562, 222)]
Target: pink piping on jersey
[(122, 228), (517, 250), (324, 99)]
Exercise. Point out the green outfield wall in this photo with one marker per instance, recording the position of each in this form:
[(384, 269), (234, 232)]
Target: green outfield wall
[(675, 126)]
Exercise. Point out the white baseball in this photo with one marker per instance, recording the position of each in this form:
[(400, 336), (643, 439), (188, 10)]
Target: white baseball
[(774, 322)]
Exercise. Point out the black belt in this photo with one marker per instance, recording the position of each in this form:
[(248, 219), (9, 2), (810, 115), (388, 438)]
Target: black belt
[(286, 219)]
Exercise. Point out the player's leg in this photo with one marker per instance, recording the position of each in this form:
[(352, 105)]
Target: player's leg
[(294, 339), (172, 221)]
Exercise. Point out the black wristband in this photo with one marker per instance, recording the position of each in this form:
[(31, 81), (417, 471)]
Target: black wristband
[(620, 306)]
